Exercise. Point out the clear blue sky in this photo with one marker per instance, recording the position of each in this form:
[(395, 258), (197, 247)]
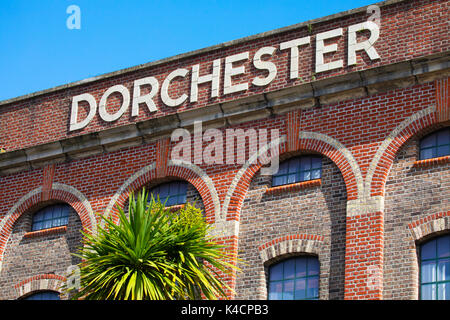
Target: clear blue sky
[(38, 51)]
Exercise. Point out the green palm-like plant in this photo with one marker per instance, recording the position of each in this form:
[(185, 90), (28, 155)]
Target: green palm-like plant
[(153, 253)]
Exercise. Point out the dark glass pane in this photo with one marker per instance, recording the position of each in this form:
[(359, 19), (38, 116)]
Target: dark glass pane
[(316, 163), (305, 163), (39, 216), (174, 188), (427, 153), (292, 178), (443, 247), (428, 250), (37, 226), (283, 168), (315, 174), (306, 175), (313, 287), (428, 141), (58, 211), (276, 272), (428, 271), (300, 289), (444, 291), (182, 188), (278, 181), (289, 269), (313, 266), (428, 292), (43, 296), (48, 213), (288, 290), (294, 165), (443, 151), (443, 137), (275, 290), (443, 270), (300, 267)]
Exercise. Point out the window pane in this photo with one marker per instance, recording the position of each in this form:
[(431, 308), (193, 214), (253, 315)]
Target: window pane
[(47, 224), (315, 174), (444, 291), (443, 137), (428, 292), (313, 287), (283, 168), (313, 266), (300, 288), (428, 250), (276, 272), (300, 267), (37, 226), (427, 153), (292, 178), (316, 163), (443, 151), (306, 175), (57, 212), (289, 269), (429, 141), (275, 290), (305, 163), (48, 213), (278, 181), (443, 247), (288, 290), (39, 216), (428, 271), (443, 270), (294, 165)]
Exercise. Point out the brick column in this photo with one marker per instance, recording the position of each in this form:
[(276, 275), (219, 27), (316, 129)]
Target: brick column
[(364, 257)]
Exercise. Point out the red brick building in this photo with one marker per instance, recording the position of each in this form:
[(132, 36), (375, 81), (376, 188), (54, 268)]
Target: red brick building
[(361, 103)]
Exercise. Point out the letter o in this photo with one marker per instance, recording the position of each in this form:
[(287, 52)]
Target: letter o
[(125, 103)]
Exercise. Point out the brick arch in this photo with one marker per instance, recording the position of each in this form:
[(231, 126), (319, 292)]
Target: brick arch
[(377, 174), (308, 141), (60, 192), (430, 225), (296, 243), (42, 282), (175, 168), (282, 247)]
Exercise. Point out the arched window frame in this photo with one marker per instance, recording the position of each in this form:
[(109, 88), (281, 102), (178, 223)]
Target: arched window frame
[(173, 192), (435, 144), (51, 216), (434, 268), (298, 169), (302, 269), (43, 295)]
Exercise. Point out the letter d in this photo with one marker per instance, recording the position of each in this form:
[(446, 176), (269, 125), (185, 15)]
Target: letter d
[(74, 125)]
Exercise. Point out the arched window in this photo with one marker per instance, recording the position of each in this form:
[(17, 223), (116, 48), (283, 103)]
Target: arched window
[(435, 145), (298, 169), (43, 295), (294, 279), (435, 269), (174, 192), (51, 216)]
